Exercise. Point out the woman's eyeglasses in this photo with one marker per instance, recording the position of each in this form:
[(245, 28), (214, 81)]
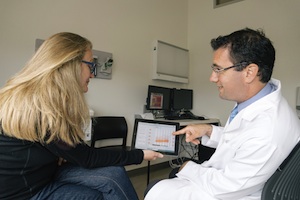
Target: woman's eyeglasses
[(91, 65)]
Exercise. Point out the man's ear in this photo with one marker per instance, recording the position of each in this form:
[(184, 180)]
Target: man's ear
[(251, 72)]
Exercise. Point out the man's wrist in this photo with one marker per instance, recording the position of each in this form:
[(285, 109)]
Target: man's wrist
[(209, 130), (182, 166)]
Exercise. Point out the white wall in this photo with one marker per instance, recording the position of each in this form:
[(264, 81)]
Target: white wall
[(127, 28), (281, 23)]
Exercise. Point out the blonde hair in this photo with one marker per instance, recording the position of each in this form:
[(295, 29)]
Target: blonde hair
[(44, 102)]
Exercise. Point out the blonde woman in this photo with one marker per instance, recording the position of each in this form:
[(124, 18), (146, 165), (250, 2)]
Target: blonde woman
[(42, 112)]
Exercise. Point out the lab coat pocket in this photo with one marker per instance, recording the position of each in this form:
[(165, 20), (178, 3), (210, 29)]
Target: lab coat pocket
[(222, 156)]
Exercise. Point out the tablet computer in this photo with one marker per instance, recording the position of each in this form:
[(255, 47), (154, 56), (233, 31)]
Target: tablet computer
[(156, 135)]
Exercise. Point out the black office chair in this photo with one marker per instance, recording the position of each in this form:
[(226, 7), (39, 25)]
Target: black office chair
[(204, 153), (109, 127), (284, 184)]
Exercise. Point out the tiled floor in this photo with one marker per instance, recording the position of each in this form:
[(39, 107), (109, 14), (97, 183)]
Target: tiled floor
[(139, 177)]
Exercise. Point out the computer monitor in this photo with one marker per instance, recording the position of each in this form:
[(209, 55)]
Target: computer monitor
[(182, 99), (158, 98)]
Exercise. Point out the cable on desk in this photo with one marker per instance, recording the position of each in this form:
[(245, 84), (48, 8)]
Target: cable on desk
[(193, 155)]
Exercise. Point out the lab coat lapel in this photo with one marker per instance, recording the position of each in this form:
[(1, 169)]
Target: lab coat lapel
[(250, 112), (247, 114)]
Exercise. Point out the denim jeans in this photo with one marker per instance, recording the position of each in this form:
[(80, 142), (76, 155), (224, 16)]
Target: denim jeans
[(73, 182)]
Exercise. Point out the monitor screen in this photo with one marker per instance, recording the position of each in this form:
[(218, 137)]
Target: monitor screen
[(158, 98), (182, 99)]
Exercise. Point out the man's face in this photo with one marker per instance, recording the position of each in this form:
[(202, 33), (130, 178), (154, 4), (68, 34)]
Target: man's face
[(230, 83)]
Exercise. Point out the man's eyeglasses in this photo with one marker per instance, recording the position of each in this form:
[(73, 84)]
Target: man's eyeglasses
[(91, 65), (218, 69)]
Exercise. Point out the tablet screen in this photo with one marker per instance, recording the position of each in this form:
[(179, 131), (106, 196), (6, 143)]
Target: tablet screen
[(156, 135)]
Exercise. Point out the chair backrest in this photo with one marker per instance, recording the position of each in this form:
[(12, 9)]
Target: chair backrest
[(284, 184), (204, 153), (109, 127)]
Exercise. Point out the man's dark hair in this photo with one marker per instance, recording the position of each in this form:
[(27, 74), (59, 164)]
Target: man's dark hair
[(249, 46)]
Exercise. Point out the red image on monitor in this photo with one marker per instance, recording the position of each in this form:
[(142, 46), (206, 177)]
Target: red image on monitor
[(156, 101)]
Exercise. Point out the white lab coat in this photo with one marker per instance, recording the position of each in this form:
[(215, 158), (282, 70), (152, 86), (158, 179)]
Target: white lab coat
[(249, 150)]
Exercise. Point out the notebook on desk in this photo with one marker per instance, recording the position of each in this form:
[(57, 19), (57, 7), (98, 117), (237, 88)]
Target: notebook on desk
[(156, 135)]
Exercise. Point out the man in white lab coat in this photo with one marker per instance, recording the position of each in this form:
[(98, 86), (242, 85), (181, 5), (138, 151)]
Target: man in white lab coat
[(254, 143)]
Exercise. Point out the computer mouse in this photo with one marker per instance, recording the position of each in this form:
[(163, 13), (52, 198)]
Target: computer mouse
[(184, 115), (200, 118)]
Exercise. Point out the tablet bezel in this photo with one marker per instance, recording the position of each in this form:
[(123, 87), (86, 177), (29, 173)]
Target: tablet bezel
[(176, 124)]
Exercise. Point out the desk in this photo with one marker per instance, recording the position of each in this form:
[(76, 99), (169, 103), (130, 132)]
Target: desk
[(185, 122)]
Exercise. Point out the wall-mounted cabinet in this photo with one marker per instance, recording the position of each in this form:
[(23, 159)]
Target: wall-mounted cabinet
[(170, 62)]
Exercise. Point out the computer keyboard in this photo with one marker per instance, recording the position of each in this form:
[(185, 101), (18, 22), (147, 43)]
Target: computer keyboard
[(184, 116)]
